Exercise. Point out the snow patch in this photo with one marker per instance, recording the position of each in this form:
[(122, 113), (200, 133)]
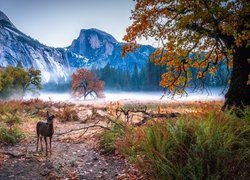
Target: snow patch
[(94, 42), (109, 49)]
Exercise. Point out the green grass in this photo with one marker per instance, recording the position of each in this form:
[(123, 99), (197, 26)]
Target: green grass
[(11, 135), (108, 139), (213, 146)]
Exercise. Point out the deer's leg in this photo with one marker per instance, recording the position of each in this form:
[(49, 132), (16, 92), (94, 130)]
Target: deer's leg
[(50, 144), (41, 141), (37, 142), (45, 139)]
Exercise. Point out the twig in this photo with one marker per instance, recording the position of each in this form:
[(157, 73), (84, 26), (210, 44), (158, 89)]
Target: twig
[(86, 128)]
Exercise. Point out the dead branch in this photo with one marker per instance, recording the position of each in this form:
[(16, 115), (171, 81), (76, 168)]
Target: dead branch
[(147, 115), (126, 112), (113, 121), (95, 125), (146, 118), (86, 128)]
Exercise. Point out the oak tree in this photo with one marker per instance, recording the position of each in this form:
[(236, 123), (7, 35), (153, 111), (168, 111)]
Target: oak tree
[(16, 81), (85, 83), (200, 35)]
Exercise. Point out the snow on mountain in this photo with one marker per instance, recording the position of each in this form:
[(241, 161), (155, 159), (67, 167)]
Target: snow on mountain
[(101, 48), (94, 42), (92, 49), (16, 47)]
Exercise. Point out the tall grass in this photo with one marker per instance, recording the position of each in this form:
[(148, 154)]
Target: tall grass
[(214, 146), (12, 114), (108, 138)]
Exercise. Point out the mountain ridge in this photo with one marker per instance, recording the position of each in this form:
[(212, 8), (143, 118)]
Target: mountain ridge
[(93, 48), (15, 47)]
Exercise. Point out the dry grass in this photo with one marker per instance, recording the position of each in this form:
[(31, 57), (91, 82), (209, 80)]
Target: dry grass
[(67, 114), (202, 143), (19, 117)]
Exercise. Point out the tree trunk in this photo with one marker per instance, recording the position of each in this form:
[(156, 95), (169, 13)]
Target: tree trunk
[(238, 94)]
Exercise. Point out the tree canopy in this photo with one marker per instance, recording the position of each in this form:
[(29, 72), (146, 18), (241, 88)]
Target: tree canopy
[(85, 83), (199, 35), (16, 81)]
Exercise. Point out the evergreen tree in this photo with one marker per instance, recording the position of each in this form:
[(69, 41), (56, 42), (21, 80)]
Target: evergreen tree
[(135, 78)]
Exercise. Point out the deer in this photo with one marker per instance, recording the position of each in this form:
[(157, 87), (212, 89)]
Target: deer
[(44, 130)]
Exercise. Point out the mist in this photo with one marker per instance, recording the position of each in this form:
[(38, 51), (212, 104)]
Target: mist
[(212, 94)]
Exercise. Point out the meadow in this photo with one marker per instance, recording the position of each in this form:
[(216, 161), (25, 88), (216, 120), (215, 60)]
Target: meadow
[(158, 140)]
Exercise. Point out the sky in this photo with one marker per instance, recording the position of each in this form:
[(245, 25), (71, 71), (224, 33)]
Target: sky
[(57, 22)]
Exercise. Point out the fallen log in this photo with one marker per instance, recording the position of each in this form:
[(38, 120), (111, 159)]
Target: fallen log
[(150, 116)]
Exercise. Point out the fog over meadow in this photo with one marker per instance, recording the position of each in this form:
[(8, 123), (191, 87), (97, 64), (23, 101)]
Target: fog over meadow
[(206, 95)]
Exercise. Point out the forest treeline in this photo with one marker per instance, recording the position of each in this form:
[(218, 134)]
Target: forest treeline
[(149, 77), (145, 79)]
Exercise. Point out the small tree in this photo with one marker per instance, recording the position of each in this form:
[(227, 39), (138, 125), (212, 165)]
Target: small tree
[(18, 81), (85, 83)]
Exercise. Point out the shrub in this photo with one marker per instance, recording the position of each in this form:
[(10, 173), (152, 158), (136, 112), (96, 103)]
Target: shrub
[(12, 119), (67, 114), (10, 107), (10, 136), (9, 111), (216, 146)]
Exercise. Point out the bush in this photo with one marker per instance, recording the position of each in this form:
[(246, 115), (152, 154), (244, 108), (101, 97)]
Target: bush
[(10, 136), (216, 146), (67, 114), (9, 111), (12, 119), (10, 107)]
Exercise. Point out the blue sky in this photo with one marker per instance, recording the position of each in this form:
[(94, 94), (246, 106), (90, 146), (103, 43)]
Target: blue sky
[(57, 22)]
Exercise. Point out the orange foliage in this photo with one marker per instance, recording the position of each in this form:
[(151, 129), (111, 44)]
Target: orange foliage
[(208, 30), (85, 83)]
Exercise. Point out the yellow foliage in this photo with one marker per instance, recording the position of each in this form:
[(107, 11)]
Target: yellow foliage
[(208, 30)]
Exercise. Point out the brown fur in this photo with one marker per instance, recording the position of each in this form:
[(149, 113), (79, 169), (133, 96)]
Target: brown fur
[(45, 129)]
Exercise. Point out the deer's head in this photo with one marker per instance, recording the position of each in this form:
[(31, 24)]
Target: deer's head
[(50, 118)]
